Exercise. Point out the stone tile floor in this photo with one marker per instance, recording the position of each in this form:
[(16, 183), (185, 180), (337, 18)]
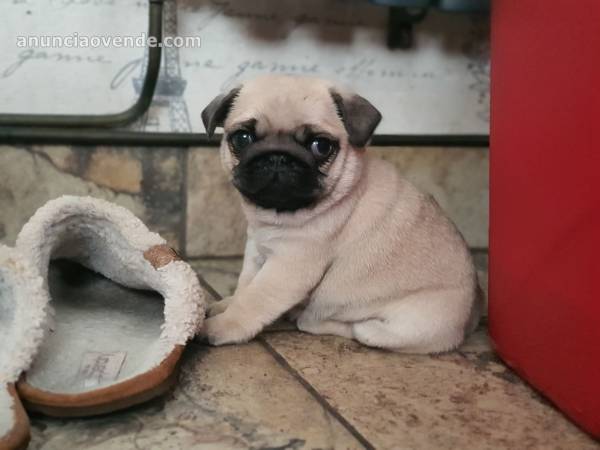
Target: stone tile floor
[(288, 390)]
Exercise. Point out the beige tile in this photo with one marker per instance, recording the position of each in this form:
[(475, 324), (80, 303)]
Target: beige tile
[(456, 177), (149, 183), (452, 401), (29, 179), (167, 170), (114, 169), (62, 156), (234, 397), (215, 222)]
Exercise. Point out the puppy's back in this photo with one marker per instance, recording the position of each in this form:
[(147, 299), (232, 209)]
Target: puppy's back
[(398, 229)]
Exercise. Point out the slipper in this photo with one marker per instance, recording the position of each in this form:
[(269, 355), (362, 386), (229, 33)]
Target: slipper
[(124, 307), (22, 313)]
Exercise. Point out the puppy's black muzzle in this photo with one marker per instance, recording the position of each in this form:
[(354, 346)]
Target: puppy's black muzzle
[(281, 177)]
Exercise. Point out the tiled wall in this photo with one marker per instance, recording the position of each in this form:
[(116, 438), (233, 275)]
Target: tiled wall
[(148, 182), (184, 194)]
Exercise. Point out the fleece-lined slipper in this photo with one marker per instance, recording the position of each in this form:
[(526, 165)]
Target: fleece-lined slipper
[(22, 314), (124, 307)]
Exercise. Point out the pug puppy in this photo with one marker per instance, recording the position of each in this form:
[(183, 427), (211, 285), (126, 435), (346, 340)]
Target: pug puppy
[(335, 236)]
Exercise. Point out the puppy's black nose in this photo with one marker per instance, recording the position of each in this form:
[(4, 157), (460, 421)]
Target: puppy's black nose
[(278, 160)]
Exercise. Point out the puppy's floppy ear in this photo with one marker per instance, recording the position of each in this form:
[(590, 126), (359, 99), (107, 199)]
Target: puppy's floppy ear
[(359, 116), (215, 113)]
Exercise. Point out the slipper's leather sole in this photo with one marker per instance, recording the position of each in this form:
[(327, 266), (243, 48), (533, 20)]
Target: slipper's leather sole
[(18, 437), (130, 392)]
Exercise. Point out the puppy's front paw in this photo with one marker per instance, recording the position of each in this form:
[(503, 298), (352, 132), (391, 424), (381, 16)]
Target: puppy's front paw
[(225, 329), (218, 307)]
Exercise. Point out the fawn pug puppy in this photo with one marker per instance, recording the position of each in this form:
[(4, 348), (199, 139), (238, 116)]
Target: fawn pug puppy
[(335, 235)]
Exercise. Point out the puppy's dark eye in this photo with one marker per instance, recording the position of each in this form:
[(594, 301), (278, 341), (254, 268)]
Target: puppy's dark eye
[(321, 147), (241, 139)]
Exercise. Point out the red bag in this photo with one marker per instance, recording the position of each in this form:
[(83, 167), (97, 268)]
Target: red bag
[(544, 308)]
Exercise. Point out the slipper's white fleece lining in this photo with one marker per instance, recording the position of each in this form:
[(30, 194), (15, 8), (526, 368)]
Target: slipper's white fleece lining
[(23, 304), (7, 411), (95, 315), (110, 240)]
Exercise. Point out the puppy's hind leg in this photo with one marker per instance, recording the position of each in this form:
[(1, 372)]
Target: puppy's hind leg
[(331, 327), (424, 322)]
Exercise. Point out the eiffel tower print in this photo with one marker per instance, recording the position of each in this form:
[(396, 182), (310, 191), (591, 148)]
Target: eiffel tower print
[(168, 112)]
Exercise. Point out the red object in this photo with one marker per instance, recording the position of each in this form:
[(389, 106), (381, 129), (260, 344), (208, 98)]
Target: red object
[(544, 308)]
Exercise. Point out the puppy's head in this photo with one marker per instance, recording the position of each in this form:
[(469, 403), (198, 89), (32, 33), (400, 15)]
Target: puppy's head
[(289, 142)]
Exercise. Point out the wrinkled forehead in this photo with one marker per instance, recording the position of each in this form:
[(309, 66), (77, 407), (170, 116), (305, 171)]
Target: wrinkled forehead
[(285, 106)]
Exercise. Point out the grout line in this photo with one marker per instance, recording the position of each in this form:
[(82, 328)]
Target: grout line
[(184, 202), (213, 257), (211, 290), (479, 250), (316, 395)]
